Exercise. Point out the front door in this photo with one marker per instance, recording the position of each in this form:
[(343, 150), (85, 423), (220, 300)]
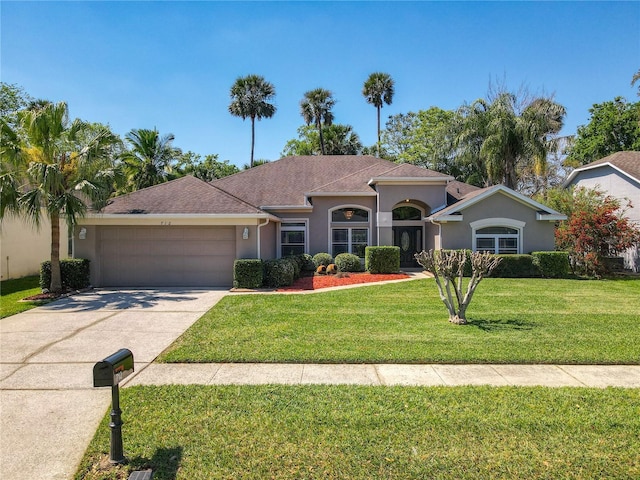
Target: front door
[(409, 239)]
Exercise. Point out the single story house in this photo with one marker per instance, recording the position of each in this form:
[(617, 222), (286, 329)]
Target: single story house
[(188, 232), (617, 175)]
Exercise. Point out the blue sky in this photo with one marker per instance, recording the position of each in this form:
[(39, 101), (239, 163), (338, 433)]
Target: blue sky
[(170, 65)]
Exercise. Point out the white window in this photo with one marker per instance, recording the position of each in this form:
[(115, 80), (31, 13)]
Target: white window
[(497, 235), (349, 240), (349, 230), (497, 240), (293, 238)]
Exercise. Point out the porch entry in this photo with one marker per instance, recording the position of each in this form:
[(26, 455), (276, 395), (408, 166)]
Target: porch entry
[(409, 239)]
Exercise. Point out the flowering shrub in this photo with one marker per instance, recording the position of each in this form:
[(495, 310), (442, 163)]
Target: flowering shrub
[(596, 228)]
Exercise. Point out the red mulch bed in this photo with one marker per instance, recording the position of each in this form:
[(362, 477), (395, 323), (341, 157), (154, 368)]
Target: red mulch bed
[(325, 281)]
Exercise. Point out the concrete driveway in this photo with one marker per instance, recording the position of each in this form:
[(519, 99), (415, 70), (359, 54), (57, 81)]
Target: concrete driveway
[(49, 409)]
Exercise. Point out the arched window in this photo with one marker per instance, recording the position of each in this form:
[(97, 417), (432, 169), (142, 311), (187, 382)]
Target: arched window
[(497, 235), (349, 215), (406, 212)]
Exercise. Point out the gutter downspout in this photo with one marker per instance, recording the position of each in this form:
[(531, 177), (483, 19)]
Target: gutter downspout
[(260, 225), (438, 247)]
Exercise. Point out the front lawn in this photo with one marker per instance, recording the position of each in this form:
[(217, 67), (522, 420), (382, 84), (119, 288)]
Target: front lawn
[(347, 432), (511, 321), (12, 291)]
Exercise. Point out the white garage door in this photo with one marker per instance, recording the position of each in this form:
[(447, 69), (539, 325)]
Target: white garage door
[(169, 256)]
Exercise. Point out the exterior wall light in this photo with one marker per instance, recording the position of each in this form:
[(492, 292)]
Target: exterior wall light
[(245, 233), (82, 234)]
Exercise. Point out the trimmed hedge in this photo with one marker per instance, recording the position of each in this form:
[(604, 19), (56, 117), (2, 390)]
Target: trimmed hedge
[(515, 266), (248, 273), (307, 262), (322, 259), (296, 263), (75, 273), (552, 264), (278, 273), (348, 262), (382, 259)]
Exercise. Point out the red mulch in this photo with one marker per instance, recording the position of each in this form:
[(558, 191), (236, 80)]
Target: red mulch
[(325, 281)]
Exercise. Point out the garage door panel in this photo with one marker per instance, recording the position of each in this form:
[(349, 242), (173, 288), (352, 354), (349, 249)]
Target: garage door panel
[(167, 256)]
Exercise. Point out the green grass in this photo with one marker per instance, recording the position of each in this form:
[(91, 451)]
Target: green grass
[(12, 291), (511, 321), (347, 432)]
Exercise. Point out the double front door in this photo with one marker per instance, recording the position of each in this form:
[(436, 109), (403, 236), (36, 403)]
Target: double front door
[(409, 239)]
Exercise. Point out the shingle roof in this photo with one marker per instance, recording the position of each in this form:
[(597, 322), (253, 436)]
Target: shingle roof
[(457, 190), (285, 181), (627, 162), (185, 195)]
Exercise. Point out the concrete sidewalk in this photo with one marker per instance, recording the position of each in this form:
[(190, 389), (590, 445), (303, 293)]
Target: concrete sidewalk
[(384, 374)]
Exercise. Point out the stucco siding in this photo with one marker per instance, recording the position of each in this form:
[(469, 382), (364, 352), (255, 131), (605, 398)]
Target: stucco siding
[(23, 247), (536, 234), (319, 220), (614, 183), (433, 196)]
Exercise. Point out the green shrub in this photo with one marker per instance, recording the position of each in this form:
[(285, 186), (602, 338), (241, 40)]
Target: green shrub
[(307, 262), (322, 259), (278, 273), (248, 273), (75, 273), (552, 264), (382, 259), (348, 262), (296, 264), (516, 266)]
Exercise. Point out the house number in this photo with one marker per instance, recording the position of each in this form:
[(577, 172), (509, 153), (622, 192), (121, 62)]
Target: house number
[(165, 223)]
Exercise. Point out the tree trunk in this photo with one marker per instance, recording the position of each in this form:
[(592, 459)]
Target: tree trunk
[(321, 138), (253, 138), (458, 320), (378, 145), (56, 277)]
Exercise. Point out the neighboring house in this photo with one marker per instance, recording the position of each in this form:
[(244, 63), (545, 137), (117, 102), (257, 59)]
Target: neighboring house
[(188, 232), (23, 247), (617, 175)]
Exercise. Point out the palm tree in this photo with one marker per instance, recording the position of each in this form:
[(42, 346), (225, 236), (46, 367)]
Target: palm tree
[(377, 90), (315, 107), (150, 159), (46, 162), (503, 138), (250, 97)]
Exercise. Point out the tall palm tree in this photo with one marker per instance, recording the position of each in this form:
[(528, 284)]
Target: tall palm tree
[(251, 97), (46, 162), (378, 90), (315, 107), (150, 159)]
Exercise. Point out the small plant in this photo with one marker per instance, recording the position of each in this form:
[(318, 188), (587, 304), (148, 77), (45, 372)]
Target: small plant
[(248, 273), (322, 259), (382, 259), (332, 269), (321, 270), (278, 273), (448, 269), (348, 262), (75, 274)]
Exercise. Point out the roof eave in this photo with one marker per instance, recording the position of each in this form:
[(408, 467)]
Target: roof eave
[(410, 180), (585, 168)]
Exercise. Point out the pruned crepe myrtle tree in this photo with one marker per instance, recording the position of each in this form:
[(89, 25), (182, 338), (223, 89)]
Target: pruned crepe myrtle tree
[(447, 267)]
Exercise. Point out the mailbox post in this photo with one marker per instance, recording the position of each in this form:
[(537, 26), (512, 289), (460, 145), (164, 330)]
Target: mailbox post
[(109, 373)]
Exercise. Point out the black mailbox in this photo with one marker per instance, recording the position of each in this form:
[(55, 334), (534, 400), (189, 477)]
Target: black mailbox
[(113, 369)]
